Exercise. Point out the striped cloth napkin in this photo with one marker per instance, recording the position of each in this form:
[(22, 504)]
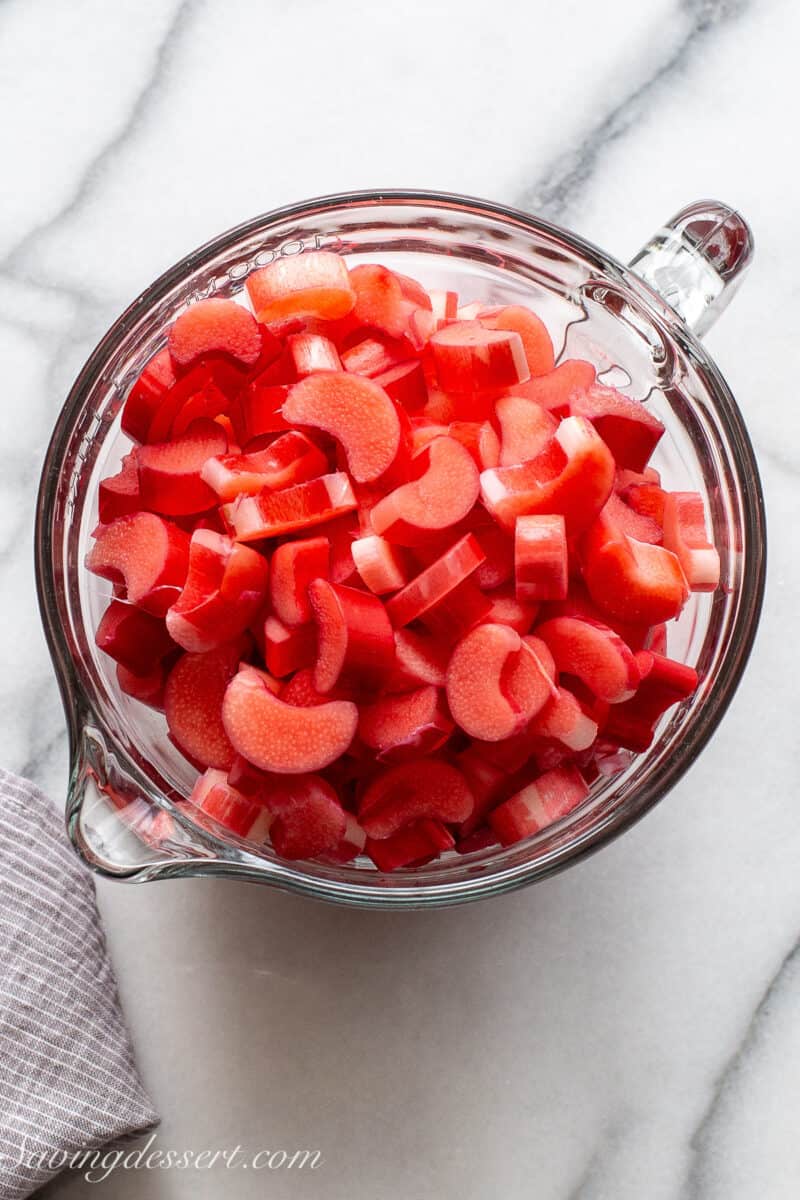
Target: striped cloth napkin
[(68, 1081)]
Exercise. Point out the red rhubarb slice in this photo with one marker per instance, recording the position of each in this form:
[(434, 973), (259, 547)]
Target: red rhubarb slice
[(664, 682), (412, 846), (170, 472), (132, 637), (436, 582), (193, 704), (215, 326), (258, 411), (563, 719), (405, 384), (289, 459), (270, 514), (312, 352), (145, 556), (467, 357), (629, 430), (288, 648), (144, 398), (419, 659), (631, 580), (354, 636), (407, 726), (515, 318), (443, 489), (224, 590), (147, 689), (495, 683), (549, 798), (480, 439), (685, 535), (313, 284), (383, 567), (308, 818), (573, 476), (118, 495), (214, 796), (356, 412), (280, 737), (555, 390), (427, 788), (594, 653), (294, 566), (540, 558), (506, 609), (525, 429), (380, 302)]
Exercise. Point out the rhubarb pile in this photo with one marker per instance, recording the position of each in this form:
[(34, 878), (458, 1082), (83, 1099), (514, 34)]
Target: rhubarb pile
[(398, 581)]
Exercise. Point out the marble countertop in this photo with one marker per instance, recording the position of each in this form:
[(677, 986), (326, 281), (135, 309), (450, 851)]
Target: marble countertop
[(629, 1029)]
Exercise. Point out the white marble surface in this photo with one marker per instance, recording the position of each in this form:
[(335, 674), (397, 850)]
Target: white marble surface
[(628, 1030)]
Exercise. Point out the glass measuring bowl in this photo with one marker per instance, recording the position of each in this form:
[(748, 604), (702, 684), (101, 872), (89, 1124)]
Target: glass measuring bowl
[(126, 810)]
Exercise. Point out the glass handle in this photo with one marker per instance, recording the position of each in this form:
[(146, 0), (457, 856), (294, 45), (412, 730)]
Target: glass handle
[(697, 261)]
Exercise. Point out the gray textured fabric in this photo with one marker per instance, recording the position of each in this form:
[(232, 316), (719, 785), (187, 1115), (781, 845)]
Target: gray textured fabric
[(68, 1081)]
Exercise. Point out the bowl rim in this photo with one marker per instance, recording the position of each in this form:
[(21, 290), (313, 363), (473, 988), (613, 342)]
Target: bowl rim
[(78, 706)]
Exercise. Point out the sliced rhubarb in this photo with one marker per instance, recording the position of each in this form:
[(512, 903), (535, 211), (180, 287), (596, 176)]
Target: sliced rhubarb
[(555, 390), (312, 352), (147, 689), (288, 648), (208, 388), (375, 354), (215, 326), (216, 798), (280, 737), (301, 507), (313, 284), (294, 566), (118, 495), (224, 589), (354, 636), (382, 566), (405, 384), (419, 659), (480, 439), (685, 535), (145, 556), (540, 558), (525, 429), (380, 302), (132, 637), (170, 472), (258, 411), (193, 704), (629, 430), (436, 582), (498, 548), (144, 398), (505, 608), (564, 720), (536, 342), (443, 489), (408, 726), (428, 788), (467, 357), (631, 580), (664, 683), (495, 683), (411, 846), (308, 819), (573, 476), (549, 798), (356, 412), (289, 459), (593, 652)]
